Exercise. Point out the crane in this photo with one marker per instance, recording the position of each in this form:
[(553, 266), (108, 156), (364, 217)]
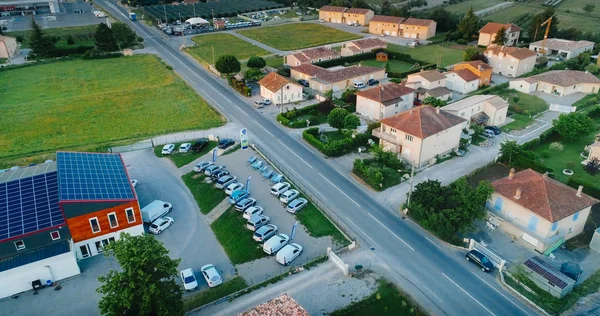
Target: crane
[(548, 22)]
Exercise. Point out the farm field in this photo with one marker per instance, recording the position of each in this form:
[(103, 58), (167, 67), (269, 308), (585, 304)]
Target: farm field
[(576, 6), (431, 53), (223, 43), (223, 8), (512, 14), (477, 5), (77, 103), (83, 35), (297, 35)]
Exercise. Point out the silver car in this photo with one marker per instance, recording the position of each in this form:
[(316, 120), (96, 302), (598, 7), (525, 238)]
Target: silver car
[(287, 196), (265, 232), (225, 181)]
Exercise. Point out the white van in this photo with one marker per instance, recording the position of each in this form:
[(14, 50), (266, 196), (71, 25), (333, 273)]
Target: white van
[(290, 252), (155, 210), (273, 244)]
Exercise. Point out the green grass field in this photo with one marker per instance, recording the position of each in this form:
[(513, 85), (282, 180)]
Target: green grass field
[(181, 160), (524, 103), (520, 122), (83, 35), (206, 195), (576, 6), (511, 14), (463, 7), (431, 53), (274, 62), (395, 65), (77, 103), (387, 300), (298, 35), (318, 225), (223, 44)]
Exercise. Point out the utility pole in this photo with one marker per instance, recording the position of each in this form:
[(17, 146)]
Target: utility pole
[(165, 9), (412, 174), (213, 51), (441, 53), (194, 6), (213, 16)]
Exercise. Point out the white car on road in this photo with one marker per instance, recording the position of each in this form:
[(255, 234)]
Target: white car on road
[(211, 275), (168, 149), (189, 280)]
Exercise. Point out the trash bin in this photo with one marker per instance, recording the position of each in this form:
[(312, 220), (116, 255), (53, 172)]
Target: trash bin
[(358, 267), (36, 284)]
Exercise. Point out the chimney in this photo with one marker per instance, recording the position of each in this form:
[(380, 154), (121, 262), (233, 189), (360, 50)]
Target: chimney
[(437, 110), (518, 193), (579, 190), (511, 173)]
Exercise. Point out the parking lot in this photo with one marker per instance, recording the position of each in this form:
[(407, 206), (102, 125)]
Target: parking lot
[(66, 19)]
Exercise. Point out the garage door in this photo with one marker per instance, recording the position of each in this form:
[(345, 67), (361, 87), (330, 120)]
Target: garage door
[(394, 34), (387, 32)]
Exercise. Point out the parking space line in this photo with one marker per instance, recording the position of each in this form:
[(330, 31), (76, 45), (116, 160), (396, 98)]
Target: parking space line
[(371, 239), (458, 286), (295, 154), (431, 241), (391, 232), (263, 128), (333, 185), (493, 288)]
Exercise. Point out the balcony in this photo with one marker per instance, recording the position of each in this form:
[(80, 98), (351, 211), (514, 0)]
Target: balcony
[(391, 138)]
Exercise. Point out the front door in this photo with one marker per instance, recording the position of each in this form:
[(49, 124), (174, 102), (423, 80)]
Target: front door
[(85, 251)]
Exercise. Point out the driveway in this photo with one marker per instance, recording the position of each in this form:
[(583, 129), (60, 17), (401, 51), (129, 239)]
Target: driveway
[(555, 99)]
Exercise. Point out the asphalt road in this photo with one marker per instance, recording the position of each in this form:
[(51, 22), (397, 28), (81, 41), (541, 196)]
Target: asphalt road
[(437, 277)]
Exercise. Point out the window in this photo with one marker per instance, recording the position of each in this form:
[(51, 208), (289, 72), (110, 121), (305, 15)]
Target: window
[(393, 130), (111, 239), (99, 247), (85, 251), (112, 220), (554, 226), (20, 245), (409, 138), (576, 216), (55, 235), (130, 215), (95, 225)]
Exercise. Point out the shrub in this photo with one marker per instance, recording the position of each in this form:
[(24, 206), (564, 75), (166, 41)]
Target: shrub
[(326, 107), (556, 146), (286, 72), (461, 41), (70, 40), (545, 154), (516, 99), (589, 188), (372, 176), (593, 166)]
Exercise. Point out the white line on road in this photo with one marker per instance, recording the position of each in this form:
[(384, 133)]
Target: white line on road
[(428, 290), (391, 232), (458, 286), (493, 288), (431, 241), (295, 154), (263, 128), (333, 185), (315, 190), (371, 239)]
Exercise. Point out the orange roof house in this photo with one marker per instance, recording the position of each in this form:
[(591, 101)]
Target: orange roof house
[(487, 34), (480, 69)]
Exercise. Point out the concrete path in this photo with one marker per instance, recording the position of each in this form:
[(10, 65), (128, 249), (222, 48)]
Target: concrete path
[(257, 43), (217, 211)]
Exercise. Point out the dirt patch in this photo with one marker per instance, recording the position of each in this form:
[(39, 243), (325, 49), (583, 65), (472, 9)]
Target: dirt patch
[(489, 173), (459, 47)]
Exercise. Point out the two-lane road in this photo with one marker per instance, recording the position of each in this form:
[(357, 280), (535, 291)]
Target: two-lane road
[(437, 277)]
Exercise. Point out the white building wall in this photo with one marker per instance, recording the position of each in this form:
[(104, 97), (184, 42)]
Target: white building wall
[(368, 108), (456, 83), (522, 86), (91, 243), (441, 143)]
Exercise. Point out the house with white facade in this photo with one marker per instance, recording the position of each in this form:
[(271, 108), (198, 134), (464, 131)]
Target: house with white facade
[(462, 81), (558, 82), (384, 101), (279, 89), (565, 49), (480, 109), (510, 61), (487, 34), (429, 83)]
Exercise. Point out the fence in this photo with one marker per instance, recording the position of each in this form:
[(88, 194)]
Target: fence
[(132, 147), (496, 260), (494, 9), (173, 139), (562, 108)]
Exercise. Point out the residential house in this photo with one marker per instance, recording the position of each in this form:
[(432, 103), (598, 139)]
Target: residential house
[(386, 25), (420, 134), (365, 45), (311, 55), (558, 82), (219, 24), (35, 243), (542, 211), (510, 61), (482, 70), (462, 81), (97, 200), (562, 48), (358, 16), (384, 101), (480, 109), (277, 88), (9, 47), (332, 14), (487, 34), (430, 83), (335, 78), (418, 28)]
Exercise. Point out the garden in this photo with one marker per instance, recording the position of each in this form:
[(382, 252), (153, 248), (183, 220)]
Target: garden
[(382, 171), (311, 115), (447, 53), (210, 47), (206, 10)]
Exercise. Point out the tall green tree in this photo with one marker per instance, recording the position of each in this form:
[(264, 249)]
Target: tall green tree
[(124, 36), (339, 3), (228, 64), (360, 4), (509, 149), (385, 8), (540, 18), (433, 101), (351, 121), (468, 25), (589, 8), (446, 21), (500, 38), (256, 62), (336, 118), (105, 39), (574, 125), (145, 285), (41, 45)]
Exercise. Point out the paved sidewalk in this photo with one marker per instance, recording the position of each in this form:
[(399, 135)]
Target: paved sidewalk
[(257, 43)]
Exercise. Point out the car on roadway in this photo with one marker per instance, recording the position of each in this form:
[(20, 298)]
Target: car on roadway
[(279, 188), (160, 224), (225, 181), (373, 82), (287, 196), (275, 243), (257, 221), (224, 143), (209, 170), (185, 148), (288, 253), (199, 144), (480, 260), (265, 232), (168, 149), (202, 165), (242, 205), (234, 187), (359, 85), (296, 205), (237, 196), (253, 210), (134, 183), (189, 279), (494, 129), (303, 83), (211, 275)]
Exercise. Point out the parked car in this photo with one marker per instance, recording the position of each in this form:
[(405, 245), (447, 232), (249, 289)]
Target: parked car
[(373, 82), (217, 174), (494, 129), (265, 232), (275, 243), (266, 101), (280, 188), (237, 196), (276, 178), (303, 83), (258, 104), (189, 279), (296, 205), (199, 144), (288, 253), (202, 165), (489, 134), (210, 169), (288, 196), (134, 183), (234, 187), (242, 205), (480, 259), (185, 148), (211, 275), (257, 221), (359, 85), (168, 149), (253, 210), (160, 224), (224, 143), (225, 181)]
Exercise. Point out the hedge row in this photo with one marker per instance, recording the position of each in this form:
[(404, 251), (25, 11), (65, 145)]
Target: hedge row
[(293, 124), (410, 72), (589, 188), (371, 175), (334, 148), (342, 61)]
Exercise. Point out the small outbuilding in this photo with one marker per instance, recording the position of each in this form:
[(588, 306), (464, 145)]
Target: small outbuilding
[(381, 56)]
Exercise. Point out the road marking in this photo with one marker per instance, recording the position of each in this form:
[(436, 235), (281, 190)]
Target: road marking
[(317, 191), (333, 185), (493, 288), (263, 128), (428, 290), (295, 154), (458, 286), (391, 232), (351, 222), (431, 241)]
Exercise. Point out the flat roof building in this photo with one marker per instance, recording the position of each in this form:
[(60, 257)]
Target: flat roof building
[(28, 7)]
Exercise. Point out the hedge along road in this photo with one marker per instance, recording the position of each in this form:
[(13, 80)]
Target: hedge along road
[(438, 279)]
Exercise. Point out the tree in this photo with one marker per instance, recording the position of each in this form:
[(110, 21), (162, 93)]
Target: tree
[(468, 25), (328, 94), (509, 149), (70, 40), (256, 62), (540, 18), (41, 45), (124, 36), (593, 166), (105, 39), (253, 74), (349, 95), (592, 68), (433, 101), (473, 53), (336, 118), (351, 121), (228, 64), (500, 38), (360, 4), (573, 125), (385, 8), (445, 20), (339, 3), (146, 285), (588, 8)]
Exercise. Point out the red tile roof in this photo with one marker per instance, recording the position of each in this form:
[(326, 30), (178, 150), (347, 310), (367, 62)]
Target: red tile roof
[(282, 305), (493, 28), (515, 52), (476, 64), (319, 52), (387, 19), (423, 121), (330, 8), (418, 22), (563, 78), (386, 93), (544, 196), (274, 82), (430, 75), (466, 75), (335, 75), (370, 43), (357, 11)]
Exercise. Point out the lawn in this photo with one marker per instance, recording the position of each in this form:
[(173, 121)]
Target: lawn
[(395, 65), (477, 5), (431, 53), (520, 122), (83, 35), (297, 35), (206, 195), (76, 103), (210, 295), (387, 300), (223, 44), (334, 135), (318, 225), (274, 62), (576, 6), (236, 239), (181, 160), (524, 103), (511, 14)]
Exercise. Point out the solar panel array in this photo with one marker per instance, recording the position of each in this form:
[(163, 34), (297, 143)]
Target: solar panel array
[(92, 176), (28, 205), (541, 268)]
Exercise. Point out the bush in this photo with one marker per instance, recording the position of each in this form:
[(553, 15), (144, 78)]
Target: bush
[(590, 188), (286, 72), (461, 41), (334, 148), (556, 146), (96, 54), (70, 40), (371, 175)]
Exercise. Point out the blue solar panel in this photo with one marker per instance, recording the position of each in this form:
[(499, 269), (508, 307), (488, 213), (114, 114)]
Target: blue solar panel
[(92, 176), (28, 205)]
